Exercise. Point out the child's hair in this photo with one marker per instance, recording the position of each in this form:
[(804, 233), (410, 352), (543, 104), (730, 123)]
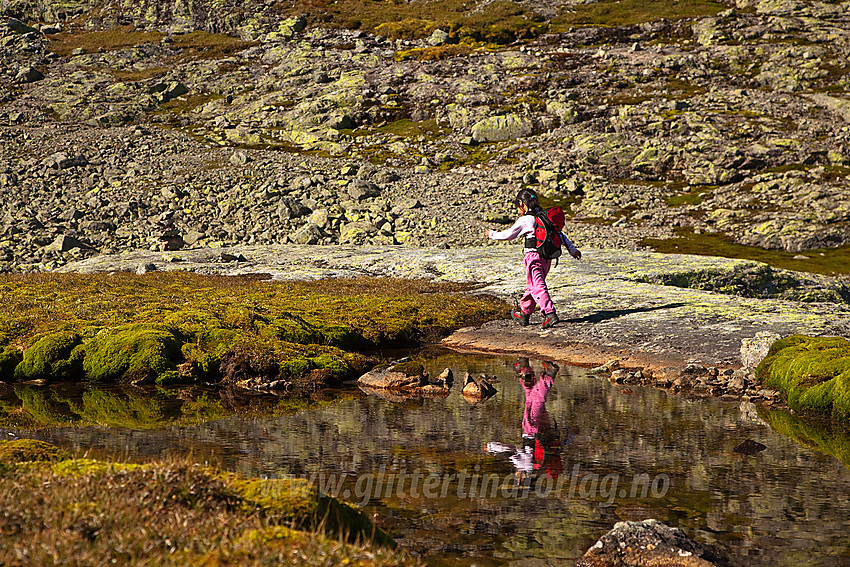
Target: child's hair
[(528, 198)]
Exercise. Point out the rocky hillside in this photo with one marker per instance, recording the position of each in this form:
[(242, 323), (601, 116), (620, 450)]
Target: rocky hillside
[(169, 124)]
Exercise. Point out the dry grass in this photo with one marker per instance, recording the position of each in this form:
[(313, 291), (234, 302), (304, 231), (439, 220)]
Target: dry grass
[(82, 512)]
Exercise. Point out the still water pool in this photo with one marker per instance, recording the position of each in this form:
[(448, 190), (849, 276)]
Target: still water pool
[(504, 481)]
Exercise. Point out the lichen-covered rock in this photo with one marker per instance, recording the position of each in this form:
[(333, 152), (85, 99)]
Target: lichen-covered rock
[(650, 544), (754, 349), (501, 128)]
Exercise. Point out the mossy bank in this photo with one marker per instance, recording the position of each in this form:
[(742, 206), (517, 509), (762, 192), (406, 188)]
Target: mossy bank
[(172, 513), (182, 327), (813, 373)]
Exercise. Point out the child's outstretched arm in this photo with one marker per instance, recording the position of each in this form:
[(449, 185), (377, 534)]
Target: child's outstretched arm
[(571, 248), (522, 224)]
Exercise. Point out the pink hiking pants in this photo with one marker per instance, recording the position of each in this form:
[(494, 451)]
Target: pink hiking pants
[(536, 292)]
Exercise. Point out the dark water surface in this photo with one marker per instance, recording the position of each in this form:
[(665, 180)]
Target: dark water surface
[(598, 456)]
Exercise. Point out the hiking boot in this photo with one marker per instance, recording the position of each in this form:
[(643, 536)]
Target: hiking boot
[(521, 317), (550, 320), (520, 365), (550, 368)]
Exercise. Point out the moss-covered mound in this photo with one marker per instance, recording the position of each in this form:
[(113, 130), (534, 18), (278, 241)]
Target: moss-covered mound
[(183, 327), (29, 450), (177, 513), (813, 373)]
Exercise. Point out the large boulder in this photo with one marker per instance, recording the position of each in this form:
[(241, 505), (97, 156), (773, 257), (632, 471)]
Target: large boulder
[(650, 544), (400, 376), (501, 128), (357, 232)]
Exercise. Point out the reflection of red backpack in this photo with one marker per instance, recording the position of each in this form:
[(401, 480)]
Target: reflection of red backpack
[(547, 233)]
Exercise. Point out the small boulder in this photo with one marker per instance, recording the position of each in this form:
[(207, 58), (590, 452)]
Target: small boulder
[(18, 26), (399, 376), (501, 128), (754, 349), (239, 158), (61, 160), (357, 232), (749, 447), (633, 544), (28, 75), (446, 378), (307, 234), (146, 267), (438, 37)]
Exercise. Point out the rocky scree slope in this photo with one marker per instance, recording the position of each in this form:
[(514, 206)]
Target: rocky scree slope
[(124, 127)]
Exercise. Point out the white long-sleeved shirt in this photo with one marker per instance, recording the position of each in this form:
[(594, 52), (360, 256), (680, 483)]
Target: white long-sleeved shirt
[(524, 226)]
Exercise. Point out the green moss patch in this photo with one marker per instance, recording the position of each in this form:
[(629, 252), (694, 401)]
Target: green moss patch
[(53, 356), (107, 40), (131, 350), (813, 373), (616, 13), (29, 450), (499, 22), (183, 327), (176, 513)]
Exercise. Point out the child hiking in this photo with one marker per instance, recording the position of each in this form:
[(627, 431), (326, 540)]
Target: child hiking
[(529, 225)]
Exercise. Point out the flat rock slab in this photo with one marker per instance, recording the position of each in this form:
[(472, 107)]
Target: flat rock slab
[(608, 308)]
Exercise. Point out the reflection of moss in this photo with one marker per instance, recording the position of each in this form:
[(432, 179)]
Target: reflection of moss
[(201, 410), (45, 409), (813, 373), (830, 437), (110, 410)]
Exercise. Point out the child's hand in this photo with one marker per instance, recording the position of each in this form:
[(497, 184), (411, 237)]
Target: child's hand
[(576, 254), (486, 233)]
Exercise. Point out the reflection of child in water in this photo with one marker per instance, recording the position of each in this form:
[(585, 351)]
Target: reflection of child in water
[(541, 440)]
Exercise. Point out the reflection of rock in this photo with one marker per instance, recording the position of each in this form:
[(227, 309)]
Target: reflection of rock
[(649, 543), (477, 389), (749, 447)]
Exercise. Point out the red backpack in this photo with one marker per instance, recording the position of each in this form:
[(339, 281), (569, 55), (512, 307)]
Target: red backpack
[(547, 232)]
